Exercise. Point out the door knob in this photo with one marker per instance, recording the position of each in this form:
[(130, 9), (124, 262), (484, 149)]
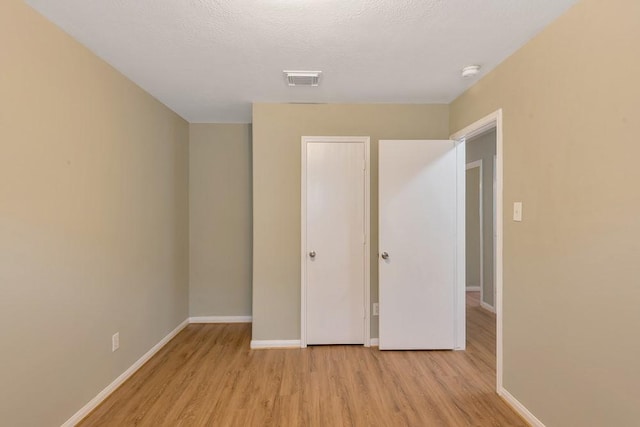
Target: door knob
[(312, 254), (384, 255)]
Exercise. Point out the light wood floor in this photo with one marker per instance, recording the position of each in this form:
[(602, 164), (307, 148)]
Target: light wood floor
[(208, 376)]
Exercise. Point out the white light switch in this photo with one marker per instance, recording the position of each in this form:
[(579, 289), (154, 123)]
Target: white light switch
[(517, 211), (115, 341)]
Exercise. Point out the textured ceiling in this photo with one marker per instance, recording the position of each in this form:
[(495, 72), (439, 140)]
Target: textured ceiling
[(208, 60)]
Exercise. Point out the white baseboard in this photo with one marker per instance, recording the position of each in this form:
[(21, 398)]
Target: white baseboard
[(375, 342), (487, 307), (93, 403), (221, 319), (472, 288), (257, 344), (520, 408)]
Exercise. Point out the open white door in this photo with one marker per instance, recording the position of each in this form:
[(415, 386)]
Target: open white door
[(421, 244)]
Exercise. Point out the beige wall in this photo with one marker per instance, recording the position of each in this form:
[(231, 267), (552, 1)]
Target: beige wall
[(483, 147), (472, 228), (93, 221), (277, 129), (571, 102), (220, 220)]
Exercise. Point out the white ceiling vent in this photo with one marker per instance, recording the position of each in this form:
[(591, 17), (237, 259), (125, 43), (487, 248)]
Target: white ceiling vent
[(302, 78)]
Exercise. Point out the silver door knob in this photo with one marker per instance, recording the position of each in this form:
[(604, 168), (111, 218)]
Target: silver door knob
[(312, 254), (384, 255)]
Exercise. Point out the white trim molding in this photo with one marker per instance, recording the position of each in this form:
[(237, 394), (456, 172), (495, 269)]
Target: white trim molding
[(100, 397), (475, 164), (221, 319), (260, 344), (487, 307), (460, 299), (520, 408), (481, 126)]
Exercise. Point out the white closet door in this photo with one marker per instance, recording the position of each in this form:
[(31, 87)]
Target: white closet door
[(335, 251), (418, 243)]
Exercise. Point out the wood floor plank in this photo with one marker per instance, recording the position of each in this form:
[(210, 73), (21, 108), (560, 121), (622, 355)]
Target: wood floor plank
[(208, 376)]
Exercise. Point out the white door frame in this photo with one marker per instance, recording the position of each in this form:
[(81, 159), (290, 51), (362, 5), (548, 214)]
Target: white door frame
[(460, 300), (495, 228), (494, 120), (367, 230), (473, 165)]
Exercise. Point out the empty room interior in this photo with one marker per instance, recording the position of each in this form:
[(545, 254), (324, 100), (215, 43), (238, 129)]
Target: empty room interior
[(319, 213)]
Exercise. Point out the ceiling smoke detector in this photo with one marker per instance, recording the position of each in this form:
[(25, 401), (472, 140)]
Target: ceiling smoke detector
[(302, 78), (470, 71)]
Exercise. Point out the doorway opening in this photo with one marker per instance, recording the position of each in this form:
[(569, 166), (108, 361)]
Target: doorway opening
[(486, 299), (480, 218)]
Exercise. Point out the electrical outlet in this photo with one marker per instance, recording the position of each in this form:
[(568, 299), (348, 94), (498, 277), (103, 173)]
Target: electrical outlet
[(376, 308), (115, 341)]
